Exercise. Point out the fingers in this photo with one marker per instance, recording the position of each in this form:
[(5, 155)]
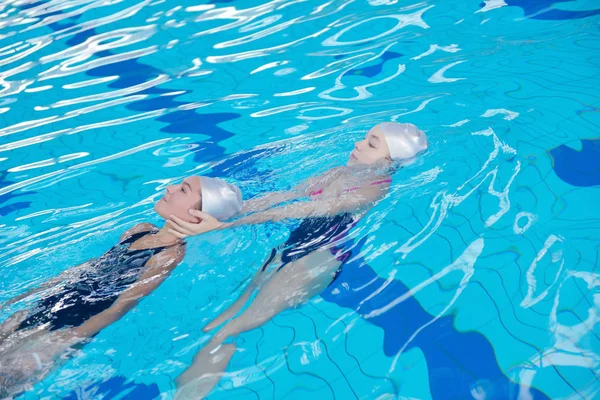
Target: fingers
[(179, 235), (201, 215), (179, 223), (181, 231)]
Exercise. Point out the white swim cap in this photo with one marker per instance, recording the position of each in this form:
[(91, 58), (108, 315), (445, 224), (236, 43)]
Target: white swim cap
[(220, 199), (404, 140)]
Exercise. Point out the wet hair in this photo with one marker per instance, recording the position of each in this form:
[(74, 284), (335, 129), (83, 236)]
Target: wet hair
[(198, 206)]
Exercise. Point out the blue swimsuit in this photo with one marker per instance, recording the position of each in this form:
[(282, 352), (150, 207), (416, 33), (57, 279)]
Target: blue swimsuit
[(97, 288)]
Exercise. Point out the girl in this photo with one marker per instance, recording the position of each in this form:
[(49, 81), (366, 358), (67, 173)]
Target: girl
[(310, 259), (82, 301)]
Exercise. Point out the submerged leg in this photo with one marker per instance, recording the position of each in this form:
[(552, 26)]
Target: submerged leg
[(259, 278), (197, 381), (290, 287), (30, 356)]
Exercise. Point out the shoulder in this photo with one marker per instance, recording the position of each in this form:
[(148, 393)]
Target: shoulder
[(142, 227), (169, 257)]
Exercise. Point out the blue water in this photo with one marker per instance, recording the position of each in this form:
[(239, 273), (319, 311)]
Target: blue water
[(477, 275)]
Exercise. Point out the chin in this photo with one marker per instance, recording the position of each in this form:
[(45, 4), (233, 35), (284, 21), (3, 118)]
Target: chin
[(353, 161), (159, 209)]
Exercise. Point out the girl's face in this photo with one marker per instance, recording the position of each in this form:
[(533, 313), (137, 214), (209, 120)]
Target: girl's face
[(179, 198), (371, 149)]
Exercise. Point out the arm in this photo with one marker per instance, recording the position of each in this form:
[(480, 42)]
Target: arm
[(69, 273), (158, 268), (22, 296), (347, 202), (267, 201), (317, 208), (72, 271), (301, 190)]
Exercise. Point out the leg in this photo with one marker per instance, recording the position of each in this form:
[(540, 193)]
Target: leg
[(261, 276), (30, 357), (293, 285)]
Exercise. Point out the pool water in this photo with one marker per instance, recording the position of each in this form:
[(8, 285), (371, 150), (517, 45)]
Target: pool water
[(477, 277)]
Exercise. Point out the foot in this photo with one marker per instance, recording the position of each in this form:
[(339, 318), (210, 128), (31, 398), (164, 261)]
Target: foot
[(203, 375)]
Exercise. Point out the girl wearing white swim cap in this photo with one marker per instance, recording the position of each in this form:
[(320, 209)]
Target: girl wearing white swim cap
[(83, 300), (308, 261)]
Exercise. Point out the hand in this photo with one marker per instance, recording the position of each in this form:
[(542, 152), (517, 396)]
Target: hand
[(183, 229)]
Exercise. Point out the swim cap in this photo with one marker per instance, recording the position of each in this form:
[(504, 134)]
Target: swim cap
[(404, 140), (220, 199)]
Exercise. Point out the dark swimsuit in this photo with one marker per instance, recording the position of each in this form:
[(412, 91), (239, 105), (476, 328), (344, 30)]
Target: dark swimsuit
[(97, 288), (312, 234), (316, 232)]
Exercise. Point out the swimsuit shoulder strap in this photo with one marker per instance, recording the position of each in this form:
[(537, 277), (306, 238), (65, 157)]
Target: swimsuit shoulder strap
[(153, 250), (136, 236)]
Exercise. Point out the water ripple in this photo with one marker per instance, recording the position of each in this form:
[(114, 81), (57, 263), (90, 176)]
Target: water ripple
[(104, 103)]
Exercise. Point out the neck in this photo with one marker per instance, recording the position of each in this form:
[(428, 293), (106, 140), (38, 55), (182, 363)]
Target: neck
[(166, 237), (381, 168)]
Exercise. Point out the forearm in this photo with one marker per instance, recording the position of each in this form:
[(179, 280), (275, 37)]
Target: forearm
[(122, 305), (265, 202), (23, 296), (100, 321), (70, 273), (126, 301), (296, 210), (271, 199)]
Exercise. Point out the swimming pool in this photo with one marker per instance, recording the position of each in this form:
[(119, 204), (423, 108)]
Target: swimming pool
[(478, 272)]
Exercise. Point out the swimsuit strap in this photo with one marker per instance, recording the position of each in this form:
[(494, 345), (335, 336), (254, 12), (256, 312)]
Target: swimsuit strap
[(354, 188), (136, 236), (131, 239)]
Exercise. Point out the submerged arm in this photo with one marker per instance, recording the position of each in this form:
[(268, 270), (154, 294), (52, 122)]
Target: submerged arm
[(301, 190), (47, 284), (315, 208), (157, 270), (71, 272), (267, 201), (348, 202)]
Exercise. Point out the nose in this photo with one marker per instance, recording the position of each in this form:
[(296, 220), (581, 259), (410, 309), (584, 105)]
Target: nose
[(170, 189), (358, 145)]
